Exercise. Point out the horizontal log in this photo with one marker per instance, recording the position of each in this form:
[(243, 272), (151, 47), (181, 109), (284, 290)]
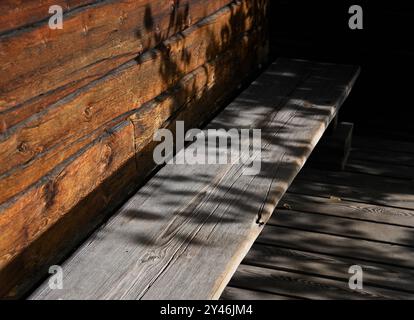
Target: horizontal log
[(16, 13), (58, 192), (92, 71), (64, 205), (50, 212), (34, 148), (190, 92), (94, 40)]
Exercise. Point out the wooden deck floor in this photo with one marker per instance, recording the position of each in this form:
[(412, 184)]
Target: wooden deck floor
[(331, 220)]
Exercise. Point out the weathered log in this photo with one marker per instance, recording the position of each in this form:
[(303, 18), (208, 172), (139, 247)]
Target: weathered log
[(34, 147), (16, 13), (94, 40), (67, 202)]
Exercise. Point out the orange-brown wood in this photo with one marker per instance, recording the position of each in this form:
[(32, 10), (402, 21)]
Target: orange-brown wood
[(69, 157), (94, 40), (17, 13), (31, 150), (33, 214)]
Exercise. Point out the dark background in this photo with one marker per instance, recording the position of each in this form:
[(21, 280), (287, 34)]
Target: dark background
[(382, 99)]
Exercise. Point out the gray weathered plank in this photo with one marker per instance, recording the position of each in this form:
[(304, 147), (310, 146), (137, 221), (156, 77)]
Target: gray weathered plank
[(338, 246), (348, 209), (344, 227), (398, 171), (306, 286), (233, 293), (383, 145), (383, 156), (356, 187), (323, 265), (183, 235)]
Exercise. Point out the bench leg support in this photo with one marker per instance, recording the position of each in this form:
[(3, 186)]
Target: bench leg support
[(334, 147)]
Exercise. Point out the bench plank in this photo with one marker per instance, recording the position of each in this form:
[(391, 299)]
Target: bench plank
[(183, 235)]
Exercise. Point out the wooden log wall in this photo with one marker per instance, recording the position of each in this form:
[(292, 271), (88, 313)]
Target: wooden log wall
[(79, 107)]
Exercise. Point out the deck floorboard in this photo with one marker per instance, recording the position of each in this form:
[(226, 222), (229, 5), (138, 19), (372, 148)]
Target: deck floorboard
[(330, 220)]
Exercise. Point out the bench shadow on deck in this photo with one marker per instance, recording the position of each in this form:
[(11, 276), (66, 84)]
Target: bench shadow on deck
[(331, 220)]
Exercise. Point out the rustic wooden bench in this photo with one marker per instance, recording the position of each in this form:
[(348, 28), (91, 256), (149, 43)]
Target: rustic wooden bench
[(184, 233)]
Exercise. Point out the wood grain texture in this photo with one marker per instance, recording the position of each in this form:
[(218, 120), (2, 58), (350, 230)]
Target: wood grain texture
[(315, 238), (383, 156), (71, 72), (106, 35), (384, 145), (34, 147), (381, 161), (370, 189), (348, 209), (381, 169), (344, 247), (54, 241), (24, 219), (307, 286), (161, 245), (326, 266), (233, 293), (19, 13), (193, 99), (356, 229)]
